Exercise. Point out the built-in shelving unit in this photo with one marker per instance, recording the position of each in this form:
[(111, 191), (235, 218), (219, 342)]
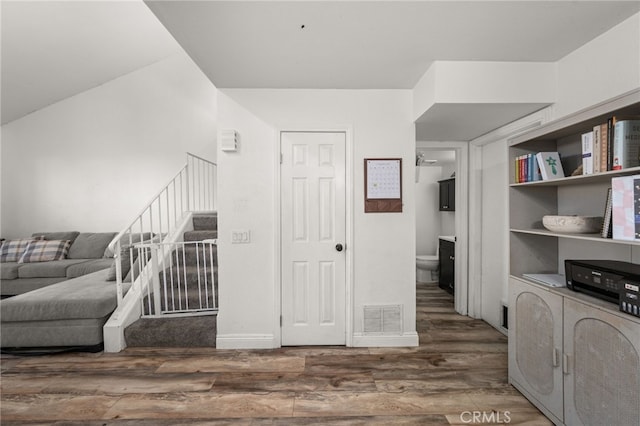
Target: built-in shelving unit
[(534, 249), (550, 328)]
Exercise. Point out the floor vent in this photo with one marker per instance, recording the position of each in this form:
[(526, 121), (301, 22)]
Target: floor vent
[(382, 319)]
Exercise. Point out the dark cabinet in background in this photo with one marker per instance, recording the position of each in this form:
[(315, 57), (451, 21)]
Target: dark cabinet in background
[(448, 195), (447, 265)]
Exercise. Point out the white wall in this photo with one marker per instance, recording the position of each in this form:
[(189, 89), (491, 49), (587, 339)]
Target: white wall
[(92, 161), (383, 244), (427, 209), (484, 82), (606, 67)]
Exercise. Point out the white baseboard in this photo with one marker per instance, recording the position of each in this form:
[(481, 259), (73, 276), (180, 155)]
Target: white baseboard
[(246, 341), (398, 340)]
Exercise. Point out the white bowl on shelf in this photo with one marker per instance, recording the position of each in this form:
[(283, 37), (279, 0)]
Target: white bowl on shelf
[(572, 224)]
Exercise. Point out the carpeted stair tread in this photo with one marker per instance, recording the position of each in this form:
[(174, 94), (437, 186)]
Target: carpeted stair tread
[(200, 235), (193, 255), (190, 272), (205, 222), (194, 302), (170, 332)]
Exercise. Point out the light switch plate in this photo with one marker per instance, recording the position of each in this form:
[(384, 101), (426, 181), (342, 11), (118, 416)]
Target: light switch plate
[(240, 236)]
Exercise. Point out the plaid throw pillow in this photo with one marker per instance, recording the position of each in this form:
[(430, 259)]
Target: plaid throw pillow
[(45, 251), (12, 250)]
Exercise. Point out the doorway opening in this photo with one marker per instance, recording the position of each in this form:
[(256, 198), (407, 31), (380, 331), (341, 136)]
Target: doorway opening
[(447, 225)]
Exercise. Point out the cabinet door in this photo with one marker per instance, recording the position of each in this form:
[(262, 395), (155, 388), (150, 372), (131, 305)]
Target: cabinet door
[(451, 195), (447, 266), (444, 196), (535, 345), (447, 195), (602, 367)]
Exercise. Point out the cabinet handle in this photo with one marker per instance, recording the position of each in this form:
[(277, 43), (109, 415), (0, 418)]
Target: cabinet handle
[(556, 357), (565, 364), (451, 258)]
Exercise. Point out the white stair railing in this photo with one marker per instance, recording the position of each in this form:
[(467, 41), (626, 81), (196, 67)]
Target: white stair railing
[(192, 189)]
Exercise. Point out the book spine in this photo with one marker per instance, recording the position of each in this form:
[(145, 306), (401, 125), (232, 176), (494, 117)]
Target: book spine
[(587, 153), (604, 147), (596, 149), (605, 232), (610, 123)]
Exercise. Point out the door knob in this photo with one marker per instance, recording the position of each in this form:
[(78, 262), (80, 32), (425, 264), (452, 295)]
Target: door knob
[(339, 247)]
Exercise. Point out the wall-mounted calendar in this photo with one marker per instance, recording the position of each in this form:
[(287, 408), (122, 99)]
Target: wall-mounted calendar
[(383, 185)]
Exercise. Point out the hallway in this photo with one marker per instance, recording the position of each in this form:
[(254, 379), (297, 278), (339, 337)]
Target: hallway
[(458, 371)]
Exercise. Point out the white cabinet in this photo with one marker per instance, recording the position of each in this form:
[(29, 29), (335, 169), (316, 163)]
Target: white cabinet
[(535, 346), (601, 365), (576, 359)]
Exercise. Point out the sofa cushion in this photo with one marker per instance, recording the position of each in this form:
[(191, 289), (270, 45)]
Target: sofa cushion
[(57, 268), (88, 267), (45, 251), (90, 245), (9, 271), (12, 250), (41, 334), (125, 263), (24, 285), (64, 235), (88, 296), (128, 240)]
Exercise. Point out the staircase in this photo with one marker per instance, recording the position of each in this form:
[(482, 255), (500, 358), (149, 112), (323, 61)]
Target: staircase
[(189, 291)]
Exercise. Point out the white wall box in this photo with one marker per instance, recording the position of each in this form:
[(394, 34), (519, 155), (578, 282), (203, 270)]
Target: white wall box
[(575, 357)]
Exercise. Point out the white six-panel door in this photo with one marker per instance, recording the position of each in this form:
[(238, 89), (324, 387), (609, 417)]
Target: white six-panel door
[(313, 231)]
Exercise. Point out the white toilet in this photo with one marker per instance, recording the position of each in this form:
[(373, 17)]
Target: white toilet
[(427, 268)]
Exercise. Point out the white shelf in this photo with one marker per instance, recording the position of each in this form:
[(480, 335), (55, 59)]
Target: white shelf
[(582, 179), (586, 237)]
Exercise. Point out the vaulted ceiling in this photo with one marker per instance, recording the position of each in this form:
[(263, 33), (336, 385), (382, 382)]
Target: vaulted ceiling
[(55, 49)]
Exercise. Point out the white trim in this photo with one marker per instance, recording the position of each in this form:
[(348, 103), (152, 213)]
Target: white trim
[(246, 341), (349, 223), (502, 134), (409, 339), (462, 221), (515, 128), (475, 232)]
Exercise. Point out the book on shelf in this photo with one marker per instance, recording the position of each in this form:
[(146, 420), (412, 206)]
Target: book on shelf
[(604, 147), (597, 140), (610, 124), (605, 232), (550, 165), (625, 204), (587, 153), (526, 168), (626, 143)]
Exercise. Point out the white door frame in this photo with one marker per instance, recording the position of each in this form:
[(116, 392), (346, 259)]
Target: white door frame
[(465, 297), (277, 311)]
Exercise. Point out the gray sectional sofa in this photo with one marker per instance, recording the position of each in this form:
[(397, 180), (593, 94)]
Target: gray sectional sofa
[(67, 314), (88, 253), (60, 303)]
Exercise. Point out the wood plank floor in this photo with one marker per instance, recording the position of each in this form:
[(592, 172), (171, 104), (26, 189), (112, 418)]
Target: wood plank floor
[(458, 371)]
